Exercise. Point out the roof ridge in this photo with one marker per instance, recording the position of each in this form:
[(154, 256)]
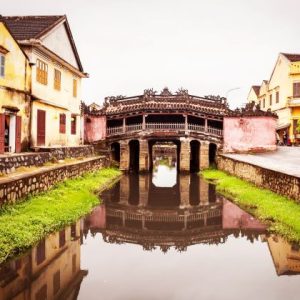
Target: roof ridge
[(31, 16)]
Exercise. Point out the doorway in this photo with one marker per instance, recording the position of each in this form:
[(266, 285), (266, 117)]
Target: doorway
[(10, 133), (41, 127)]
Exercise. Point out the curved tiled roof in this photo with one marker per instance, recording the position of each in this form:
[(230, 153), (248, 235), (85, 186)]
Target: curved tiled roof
[(166, 102)]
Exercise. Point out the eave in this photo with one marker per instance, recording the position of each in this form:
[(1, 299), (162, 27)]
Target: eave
[(38, 45)]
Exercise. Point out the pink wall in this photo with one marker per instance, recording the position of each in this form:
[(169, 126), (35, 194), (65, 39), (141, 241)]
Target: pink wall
[(94, 128), (249, 134), (236, 218), (98, 217)]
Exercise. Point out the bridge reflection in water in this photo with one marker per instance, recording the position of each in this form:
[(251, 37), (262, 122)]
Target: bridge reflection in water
[(187, 213), (162, 211)]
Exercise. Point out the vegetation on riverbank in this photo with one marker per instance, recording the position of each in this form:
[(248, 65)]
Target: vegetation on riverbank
[(24, 224), (281, 213)]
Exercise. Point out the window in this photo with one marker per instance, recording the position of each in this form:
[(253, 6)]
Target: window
[(62, 238), (56, 282), (73, 231), (62, 123), (74, 88), (57, 79), (270, 98), (41, 72), (40, 252), (264, 103), (296, 89), (277, 97), (73, 124), (2, 65), (42, 293), (73, 263)]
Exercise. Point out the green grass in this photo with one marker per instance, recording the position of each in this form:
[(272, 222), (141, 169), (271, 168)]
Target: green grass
[(281, 213), (24, 224)]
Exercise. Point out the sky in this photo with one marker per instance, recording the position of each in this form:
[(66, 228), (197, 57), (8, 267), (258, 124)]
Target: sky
[(215, 47)]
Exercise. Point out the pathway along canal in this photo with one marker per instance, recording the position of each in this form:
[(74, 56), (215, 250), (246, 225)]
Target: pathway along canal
[(158, 236)]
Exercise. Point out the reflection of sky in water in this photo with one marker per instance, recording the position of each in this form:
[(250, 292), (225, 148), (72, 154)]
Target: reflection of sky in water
[(164, 176)]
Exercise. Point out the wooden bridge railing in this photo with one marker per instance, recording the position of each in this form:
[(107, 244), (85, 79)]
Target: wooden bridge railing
[(163, 126)]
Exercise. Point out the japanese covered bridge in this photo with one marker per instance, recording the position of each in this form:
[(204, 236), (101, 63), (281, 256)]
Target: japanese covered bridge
[(133, 125)]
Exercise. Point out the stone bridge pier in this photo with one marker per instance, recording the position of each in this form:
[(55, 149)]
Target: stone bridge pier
[(192, 155)]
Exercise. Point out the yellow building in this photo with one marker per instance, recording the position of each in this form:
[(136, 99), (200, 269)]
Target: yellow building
[(281, 94), (14, 94), (50, 270), (56, 79), (286, 256)]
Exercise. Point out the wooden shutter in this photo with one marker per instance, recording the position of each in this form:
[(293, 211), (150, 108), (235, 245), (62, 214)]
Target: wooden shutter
[(2, 130), (73, 124), (296, 89), (18, 133), (41, 127), (62, 123)]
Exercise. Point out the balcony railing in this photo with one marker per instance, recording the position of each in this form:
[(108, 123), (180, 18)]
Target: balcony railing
[(134, 127), (162, 127), (165, 126), (114, 130)]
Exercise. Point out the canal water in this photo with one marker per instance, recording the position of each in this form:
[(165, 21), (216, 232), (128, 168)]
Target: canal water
[(158, 236)]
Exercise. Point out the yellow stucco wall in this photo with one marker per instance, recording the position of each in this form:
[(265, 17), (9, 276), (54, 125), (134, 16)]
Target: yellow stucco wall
[(252, 96), (53, 137), (284, 74), (55, 102), (17, 79)]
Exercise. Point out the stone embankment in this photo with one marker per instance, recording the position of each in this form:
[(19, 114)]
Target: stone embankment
[(276, 181), (9, 163), (17, 187)]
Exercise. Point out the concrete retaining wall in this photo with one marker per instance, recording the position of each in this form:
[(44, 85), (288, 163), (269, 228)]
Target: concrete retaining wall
[(13, 189), (280, 183)]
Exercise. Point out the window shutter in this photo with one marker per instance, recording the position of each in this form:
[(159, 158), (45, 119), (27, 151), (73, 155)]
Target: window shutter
[(73, 124), (62, 123), (296, 89), (18, 133), (2, 129)]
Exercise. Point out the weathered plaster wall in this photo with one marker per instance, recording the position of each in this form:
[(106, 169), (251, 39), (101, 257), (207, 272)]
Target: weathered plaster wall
[(55, 102), (58, 42), (12, 190), (53, 137), (277, 182), (249, 134), (15, 82), (94, 128)]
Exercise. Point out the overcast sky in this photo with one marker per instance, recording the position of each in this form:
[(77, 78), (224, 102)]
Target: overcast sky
[(207, 47)]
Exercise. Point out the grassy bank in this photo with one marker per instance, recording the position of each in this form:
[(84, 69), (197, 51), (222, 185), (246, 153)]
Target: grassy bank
[(282, 213), (24, 224)]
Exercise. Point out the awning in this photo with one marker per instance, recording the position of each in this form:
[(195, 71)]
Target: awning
[(283, 126)]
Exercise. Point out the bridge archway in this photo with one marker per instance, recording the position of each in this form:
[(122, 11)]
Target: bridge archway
[(212, 154), (134, 155), (115, 151), (153, 151), (194, 156)]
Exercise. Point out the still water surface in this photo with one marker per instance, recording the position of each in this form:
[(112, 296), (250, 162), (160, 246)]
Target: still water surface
[(158, 236)]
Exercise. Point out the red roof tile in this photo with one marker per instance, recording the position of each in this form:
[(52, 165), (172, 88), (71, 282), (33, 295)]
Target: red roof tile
[(256, 89), (292, 57), (30, 27)]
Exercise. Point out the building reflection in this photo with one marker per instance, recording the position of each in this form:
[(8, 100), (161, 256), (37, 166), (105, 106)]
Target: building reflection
[(286, 256), (136, 211), (50, 270)]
